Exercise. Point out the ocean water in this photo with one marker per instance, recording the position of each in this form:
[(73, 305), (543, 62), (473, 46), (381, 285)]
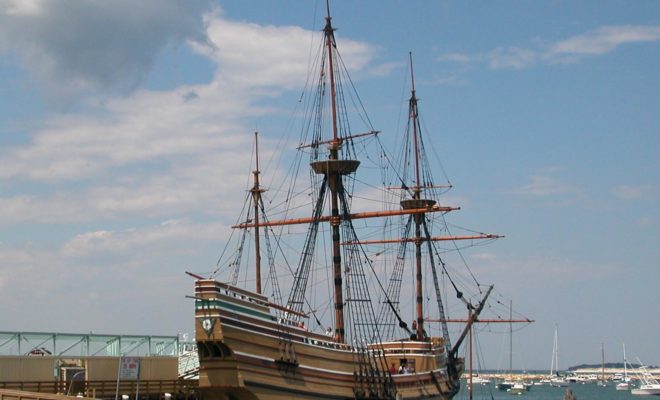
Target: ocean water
[(581, 392)]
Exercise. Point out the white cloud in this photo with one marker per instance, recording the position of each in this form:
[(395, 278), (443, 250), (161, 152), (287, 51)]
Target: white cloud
[(544, 186), (167, 234), (627, 192), (252, 55), (512, 57), (597, 42), (601, 41), (150, 126), (144, 128), (199, 185), (55, 208), (20, 7), (156, 154)]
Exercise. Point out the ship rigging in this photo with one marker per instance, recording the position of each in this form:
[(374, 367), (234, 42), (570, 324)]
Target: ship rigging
[(254, 344)]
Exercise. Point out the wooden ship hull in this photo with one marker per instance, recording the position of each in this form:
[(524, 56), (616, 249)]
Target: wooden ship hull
[(247, 353)]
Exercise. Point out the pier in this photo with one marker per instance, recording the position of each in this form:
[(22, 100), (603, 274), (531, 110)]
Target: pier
[(39, 365)]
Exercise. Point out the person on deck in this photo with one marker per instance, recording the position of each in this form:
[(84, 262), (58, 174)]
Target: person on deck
[(413, 335)]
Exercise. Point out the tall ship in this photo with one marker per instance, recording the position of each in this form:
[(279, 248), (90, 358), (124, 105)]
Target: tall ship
[(365, 314)]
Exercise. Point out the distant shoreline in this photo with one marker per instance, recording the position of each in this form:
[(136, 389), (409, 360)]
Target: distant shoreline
[(608, 366), (597, 370)]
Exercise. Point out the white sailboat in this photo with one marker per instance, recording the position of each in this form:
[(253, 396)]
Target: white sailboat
[(625, 384), (554, 379), (508, 383)]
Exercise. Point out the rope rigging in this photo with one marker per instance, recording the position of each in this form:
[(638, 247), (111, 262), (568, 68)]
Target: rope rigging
[(364, 327), (297, 295)]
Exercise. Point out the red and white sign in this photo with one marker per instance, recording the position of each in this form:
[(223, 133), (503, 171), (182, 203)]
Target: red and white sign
[(129, 368)]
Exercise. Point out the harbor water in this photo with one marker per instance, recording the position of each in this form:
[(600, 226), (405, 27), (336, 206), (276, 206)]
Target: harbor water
[(581, 392)]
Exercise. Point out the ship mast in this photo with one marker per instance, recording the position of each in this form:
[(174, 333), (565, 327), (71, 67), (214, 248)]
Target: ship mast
[(256, 198), (334, 168), (334, 181), (417, 202)]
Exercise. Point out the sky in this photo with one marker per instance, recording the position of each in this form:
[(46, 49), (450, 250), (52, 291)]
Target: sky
[(126, 130)]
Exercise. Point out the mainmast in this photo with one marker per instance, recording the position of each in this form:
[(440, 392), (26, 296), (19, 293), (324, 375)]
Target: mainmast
[(417, 202), (412, 109), (333, 168), (334, 181), (256, 198)]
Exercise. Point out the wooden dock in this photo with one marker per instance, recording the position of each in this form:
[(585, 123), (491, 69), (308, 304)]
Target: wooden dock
[(8, 394), (148, 390)]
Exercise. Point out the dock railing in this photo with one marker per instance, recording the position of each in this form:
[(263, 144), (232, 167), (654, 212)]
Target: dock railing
[(148, 389)]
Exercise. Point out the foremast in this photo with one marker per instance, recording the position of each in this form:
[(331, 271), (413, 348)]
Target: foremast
[(256, 200)]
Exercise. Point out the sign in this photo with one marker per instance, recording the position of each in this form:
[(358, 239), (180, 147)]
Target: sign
[(129, 368)]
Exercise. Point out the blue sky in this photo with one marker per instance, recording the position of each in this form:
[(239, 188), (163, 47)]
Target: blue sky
[(125, 132)]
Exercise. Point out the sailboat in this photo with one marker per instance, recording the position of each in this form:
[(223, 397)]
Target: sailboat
[(508, 383), (473, 379), (254, 345), (625, 383), (602, 366), (555, 379)]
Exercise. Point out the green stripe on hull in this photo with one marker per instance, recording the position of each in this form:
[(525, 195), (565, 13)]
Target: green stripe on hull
[(225, 305)]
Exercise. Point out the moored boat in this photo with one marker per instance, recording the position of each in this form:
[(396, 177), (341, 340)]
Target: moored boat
[(518, 388), (648, 385), (257, 346), (624, 383), (554, 379)]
